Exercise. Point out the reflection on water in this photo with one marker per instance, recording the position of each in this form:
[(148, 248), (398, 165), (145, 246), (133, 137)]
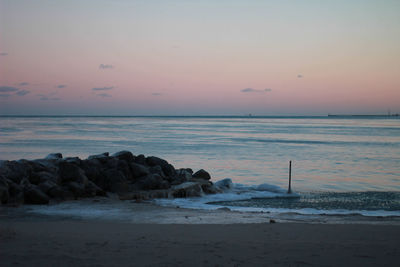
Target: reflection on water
[(329, 154)]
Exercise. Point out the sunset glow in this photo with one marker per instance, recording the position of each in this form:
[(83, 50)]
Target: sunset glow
[(198, 57)]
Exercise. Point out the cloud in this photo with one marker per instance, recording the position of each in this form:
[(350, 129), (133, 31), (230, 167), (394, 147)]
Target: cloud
[(48, 97), (104, 95), (299, 76), (7, 89), (106, 66), (61, 86), (156, 94), (3, 54), (252, 90), (103, 88), (22, 92), (23, 84), (5, 95)]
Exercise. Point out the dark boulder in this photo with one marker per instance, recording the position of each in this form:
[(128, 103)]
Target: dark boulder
[(140, 159), (47, 185), (4, 195), (188, 189), (124, 155), (202, 174), (33, 195), (15, 170), (92, 190), (60, 193), (115, 182), (101, 157), (70, 172), (54, 156), (152, 182), (138, 170), (77, 189)]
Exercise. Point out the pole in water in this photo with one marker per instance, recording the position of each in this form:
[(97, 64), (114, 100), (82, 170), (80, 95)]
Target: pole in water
[(290, 178)]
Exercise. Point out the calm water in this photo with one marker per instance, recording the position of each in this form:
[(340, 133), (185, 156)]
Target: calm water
[(329, 154)]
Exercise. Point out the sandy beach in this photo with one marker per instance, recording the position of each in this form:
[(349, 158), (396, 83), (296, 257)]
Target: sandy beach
[(32, 240)]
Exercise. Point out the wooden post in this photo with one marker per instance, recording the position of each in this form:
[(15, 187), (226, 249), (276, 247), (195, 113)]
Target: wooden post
[(290, 178)]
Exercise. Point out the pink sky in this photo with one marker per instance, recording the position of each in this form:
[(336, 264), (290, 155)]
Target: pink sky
[(191, 58)]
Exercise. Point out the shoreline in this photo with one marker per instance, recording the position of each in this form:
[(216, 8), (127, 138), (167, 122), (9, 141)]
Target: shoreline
[(148, 212)]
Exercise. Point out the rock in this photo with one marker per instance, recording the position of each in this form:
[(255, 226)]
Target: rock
[(15, 170), (33, 195), (188, 189), (182, 175), (54, 156), (224, 209), (272, 221), (45, 186), (115, 182), (202, 174), (92, 169), (77, 189), (167, 168), (124, 155), (141, 159), (60, 193), (155, 161), (100, 157), (138, 170), (92, 190), (225, 184), (4, 195), (73, 160), (151, 182), (45, 176), (70, 172), (157, 170), (209, 188)]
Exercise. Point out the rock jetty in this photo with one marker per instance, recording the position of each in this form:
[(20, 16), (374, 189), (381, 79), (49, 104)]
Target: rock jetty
[(130, 177)]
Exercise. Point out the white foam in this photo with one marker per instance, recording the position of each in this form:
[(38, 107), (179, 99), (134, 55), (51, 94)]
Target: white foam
[(237, 192)]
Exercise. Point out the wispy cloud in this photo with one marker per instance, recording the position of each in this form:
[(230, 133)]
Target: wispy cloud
[(299, 76), (252, 90), (7, 89), (23, 84), (106, 66), (103, 88), (104, 95), (156, 94), (22, 92), (3, 54), (5, 95), (49, 97), (61, 86)]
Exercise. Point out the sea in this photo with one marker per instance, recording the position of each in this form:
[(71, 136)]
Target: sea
[(339, 164)]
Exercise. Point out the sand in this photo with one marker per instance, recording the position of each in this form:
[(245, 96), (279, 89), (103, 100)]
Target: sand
[(61, 241)]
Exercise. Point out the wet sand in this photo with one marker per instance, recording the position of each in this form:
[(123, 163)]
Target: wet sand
[(56, 241)]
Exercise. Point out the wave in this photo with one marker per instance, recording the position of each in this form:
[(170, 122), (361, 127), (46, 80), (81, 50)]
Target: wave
[(273, 199)]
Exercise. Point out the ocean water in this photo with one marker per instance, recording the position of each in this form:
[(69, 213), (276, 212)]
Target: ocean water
[(348, 157)]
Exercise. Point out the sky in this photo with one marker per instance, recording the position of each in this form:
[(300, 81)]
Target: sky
[(127, 57)]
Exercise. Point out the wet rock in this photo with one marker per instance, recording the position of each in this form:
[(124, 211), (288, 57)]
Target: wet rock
[(4, 195), (101, 157), (224, 185), (151, 182), (70, 172), (124, 155), (157, 170), (60, 193), (187, 189), (138, 170), (92, 190), (54, 156), (45, 186), (15, 170), (77, 189), (202, 174), (33, 195), (140, 159), (115, 181)]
